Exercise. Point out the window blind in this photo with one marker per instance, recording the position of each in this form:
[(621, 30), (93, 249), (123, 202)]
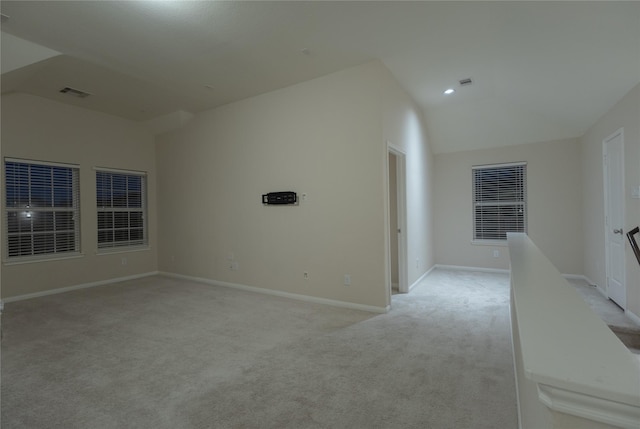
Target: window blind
[(499, 200), (42, 208), (121, 204)]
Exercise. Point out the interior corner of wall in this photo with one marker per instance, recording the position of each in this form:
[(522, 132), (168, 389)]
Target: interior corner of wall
[(169, 122)]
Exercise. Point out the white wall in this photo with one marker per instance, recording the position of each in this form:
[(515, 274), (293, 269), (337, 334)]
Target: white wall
[(45, 130), (625, 114), (404, 127), (554, 196), (324, 138)]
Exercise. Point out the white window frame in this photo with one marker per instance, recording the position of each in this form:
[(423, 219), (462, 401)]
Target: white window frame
[(46, 240), (129, 208), (500, 194)]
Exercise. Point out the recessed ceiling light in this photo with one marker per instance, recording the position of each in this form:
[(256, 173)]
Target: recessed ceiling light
[(449, 91)]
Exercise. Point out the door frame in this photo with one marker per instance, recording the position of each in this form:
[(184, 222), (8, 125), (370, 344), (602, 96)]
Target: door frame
[(607, 227), (401, 208)]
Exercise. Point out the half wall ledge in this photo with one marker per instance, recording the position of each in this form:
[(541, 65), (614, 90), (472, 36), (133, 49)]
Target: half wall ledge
[(571, 370)]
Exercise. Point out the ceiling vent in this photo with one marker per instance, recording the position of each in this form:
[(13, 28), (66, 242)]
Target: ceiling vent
[(465, 82), (74, 92)]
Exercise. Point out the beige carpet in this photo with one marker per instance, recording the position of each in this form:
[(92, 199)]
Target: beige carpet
[(162, 353)]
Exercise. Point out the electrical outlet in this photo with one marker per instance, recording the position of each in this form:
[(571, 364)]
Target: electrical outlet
[(305, 275), (234, 266), (347, 279), (496, 253), (124, 261)]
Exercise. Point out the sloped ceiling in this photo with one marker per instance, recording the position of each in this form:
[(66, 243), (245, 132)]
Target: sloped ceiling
[(541, 70)]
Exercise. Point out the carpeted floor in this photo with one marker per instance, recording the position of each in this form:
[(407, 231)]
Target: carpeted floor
[(163, 353), (609, 312), (620, 324)]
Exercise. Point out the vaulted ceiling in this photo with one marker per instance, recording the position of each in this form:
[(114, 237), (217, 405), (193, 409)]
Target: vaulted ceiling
[(540, 70)]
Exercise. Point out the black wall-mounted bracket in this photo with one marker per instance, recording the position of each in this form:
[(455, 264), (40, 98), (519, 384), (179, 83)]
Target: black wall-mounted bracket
[(280, 198)]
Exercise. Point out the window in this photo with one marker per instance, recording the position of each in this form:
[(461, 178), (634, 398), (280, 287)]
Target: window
[(121, 202), (499, 200), (42, 209)]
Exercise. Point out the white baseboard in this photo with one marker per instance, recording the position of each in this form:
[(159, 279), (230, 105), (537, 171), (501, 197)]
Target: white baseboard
[(299, 297), (422, 277), (76, 287), (502, 271), (632, 316), (629, 314), (602, 292), (591, 282), (477, 269), (575, 277)]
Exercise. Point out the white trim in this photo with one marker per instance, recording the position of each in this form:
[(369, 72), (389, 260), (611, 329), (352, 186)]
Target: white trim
[(37, 162), (80, 286), (602, 292), (401, 209), (506, 164), (118, 171), (586, 279), (422, 277), (632, 316), (501, 271), (493, 243), (121, 249), (479, 269), (589, 407), (576, 277), (299, 297), (19, 260), (589, 282)]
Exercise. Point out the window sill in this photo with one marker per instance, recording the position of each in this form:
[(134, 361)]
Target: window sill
[(32, 260), (494, 243), (115, 250)]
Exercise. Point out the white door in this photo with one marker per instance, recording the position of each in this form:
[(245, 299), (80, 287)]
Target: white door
[(394, 230), (397, 227), (614, 217)]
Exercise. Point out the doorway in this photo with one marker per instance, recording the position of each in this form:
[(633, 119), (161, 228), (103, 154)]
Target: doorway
[(397, 220), (613, 155)]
